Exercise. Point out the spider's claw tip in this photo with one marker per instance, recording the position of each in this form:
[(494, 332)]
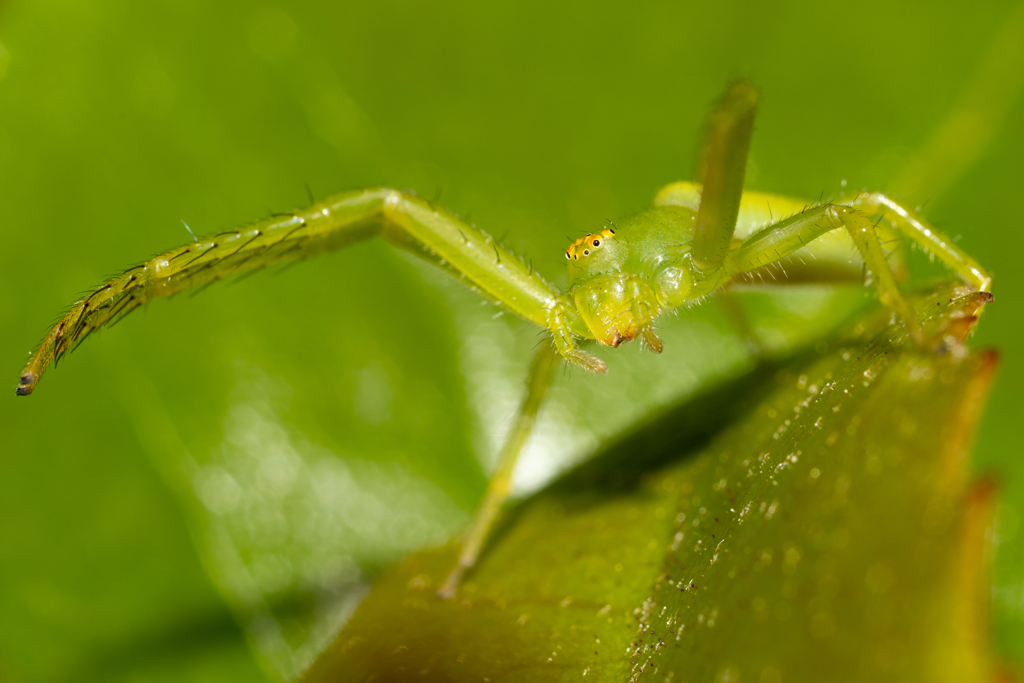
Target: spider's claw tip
[(26, 384), (450, 588)]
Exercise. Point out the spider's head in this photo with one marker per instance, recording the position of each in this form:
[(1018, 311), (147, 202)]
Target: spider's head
[(596, 244), (616, 305)]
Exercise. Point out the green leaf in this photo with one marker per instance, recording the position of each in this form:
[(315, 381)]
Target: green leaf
[(119, 119), (813, 520)]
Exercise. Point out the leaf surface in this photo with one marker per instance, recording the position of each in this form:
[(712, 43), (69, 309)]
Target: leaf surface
[(813, 520)]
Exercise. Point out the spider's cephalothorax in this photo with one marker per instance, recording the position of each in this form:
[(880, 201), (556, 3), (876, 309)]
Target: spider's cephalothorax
[(621, 279)]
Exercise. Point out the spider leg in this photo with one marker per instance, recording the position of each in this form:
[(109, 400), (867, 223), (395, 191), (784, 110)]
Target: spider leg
[(432, 233), (824, 260), (541, 372), (724, 166), (739, 320), (911, 225), (777, 241)]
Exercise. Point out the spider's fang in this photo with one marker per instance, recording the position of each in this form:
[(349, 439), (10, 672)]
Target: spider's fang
[(651, 339)]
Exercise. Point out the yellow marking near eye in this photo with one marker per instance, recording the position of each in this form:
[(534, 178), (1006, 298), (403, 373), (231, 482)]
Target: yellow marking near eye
[(588, 241)]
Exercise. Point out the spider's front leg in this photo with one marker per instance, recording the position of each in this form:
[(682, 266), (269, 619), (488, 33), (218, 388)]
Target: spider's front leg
[(428, 231), (443, 239)]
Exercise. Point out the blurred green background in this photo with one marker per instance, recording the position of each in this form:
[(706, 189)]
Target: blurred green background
[(205, 491)]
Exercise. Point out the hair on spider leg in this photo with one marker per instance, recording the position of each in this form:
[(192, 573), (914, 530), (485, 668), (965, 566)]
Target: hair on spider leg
[(227, 232), (309, 193), (543, 338), (194, 238), (240, 248), (247, 274), (116, 319), (288, 266), (120, 308), (88, 298), (203, 287), (254, 254), (199, 256), (113, 276)]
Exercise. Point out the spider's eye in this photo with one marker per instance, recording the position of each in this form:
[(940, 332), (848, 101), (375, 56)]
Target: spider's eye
[(567, 256), (586, 252), (597, 243)]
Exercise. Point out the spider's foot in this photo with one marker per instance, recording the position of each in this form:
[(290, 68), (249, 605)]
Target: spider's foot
[(26, 384), (451, 584), (960, 321), (946, 332)]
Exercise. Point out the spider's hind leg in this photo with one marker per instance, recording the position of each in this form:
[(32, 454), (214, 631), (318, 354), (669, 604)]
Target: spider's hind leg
[(740, 321), (910, 224), (778, 240)]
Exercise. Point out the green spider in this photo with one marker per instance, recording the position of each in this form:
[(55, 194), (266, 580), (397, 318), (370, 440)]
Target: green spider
[(697, 239)]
